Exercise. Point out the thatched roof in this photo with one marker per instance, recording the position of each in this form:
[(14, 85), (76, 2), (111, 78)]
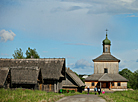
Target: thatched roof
[(24, 75), (72, 80), (3, 75), (106, 57), (106, 77), (52, 68)]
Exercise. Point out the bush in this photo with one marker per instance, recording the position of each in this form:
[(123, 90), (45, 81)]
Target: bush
[(68, 91)]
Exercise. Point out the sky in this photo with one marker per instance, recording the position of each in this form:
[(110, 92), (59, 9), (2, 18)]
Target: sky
[(71, 29)]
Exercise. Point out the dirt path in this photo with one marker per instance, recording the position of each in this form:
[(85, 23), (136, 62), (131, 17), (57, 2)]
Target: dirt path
[(82, 98)]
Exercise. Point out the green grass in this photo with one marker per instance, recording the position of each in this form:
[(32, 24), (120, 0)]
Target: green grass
[(25, 95), (121, 96)]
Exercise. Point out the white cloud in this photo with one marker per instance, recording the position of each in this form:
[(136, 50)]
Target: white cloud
[(128, 59), (7, 35), (132, 16), (82, 66)]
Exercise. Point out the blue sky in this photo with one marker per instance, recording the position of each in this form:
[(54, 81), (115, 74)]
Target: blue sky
[(73, 29)]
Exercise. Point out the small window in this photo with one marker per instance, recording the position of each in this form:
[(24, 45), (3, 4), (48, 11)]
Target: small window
[(105, 70), (92, 83), (106, 49), (112, 83), (118, 84)]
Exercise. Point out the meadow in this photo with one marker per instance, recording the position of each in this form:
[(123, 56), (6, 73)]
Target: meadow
[(25, 95), (121, 96)]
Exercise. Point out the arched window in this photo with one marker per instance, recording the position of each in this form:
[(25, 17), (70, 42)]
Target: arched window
[(105, 70), (106, 49)]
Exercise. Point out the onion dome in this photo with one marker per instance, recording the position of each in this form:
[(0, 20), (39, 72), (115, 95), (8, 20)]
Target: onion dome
[(106, 41)]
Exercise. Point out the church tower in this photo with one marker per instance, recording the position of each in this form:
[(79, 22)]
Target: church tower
[(106, 45)]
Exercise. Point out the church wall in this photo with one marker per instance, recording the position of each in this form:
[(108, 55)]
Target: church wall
[(123, 85), (111, 66), (90, 84)]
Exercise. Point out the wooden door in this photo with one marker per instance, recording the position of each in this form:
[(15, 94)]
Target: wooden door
[(40, 86)]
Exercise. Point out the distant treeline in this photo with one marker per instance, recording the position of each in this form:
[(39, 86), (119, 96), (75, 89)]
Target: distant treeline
[(132, 77)]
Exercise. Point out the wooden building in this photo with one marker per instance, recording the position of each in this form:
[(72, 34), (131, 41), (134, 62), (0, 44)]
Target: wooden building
[(106, 68), (72, 82), (42, 74)]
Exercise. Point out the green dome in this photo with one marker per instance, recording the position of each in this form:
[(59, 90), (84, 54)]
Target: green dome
[(106, 41)]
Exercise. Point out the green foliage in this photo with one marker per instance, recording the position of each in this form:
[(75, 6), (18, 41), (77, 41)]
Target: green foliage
[(31, 52), (26, 95), (121, 96), (134, 80), (68, 91), (132, 77), (18, 54)]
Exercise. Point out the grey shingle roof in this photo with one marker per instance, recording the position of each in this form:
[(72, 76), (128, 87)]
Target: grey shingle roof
[(52, 68), (106, 57), (24, 75), (74, 78), (3, 75), (94, 77), (106, 77)]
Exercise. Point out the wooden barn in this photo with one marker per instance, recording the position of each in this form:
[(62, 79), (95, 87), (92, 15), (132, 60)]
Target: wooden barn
[(72, 82), (106, 68), (42, 74)]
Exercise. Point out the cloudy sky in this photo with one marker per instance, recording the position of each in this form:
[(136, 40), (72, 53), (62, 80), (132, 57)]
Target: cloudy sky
[(73, 29)]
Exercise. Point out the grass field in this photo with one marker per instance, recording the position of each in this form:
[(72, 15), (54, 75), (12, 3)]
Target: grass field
[(121, 96), (25, 95)]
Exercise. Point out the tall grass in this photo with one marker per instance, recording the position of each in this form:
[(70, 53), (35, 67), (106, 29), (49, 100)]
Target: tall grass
[(26, 95), (121, 96)]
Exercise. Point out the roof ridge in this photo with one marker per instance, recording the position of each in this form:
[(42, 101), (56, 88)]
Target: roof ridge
[(103, 75)]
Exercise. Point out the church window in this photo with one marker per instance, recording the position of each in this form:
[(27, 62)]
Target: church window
[(112, 83), (105, 70), (92, 83), (118, 84), (106, 49)]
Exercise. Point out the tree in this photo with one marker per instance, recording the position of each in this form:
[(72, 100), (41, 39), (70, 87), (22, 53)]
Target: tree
[(128, 75), (18, 54), (31, 52), (134, 80)]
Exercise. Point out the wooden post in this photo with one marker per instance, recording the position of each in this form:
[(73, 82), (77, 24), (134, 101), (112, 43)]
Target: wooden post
[(57, 86), (110, 85), (55, 89), (100, 84)]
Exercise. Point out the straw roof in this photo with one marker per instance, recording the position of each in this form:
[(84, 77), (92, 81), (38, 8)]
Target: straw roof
[(52, 68), (24, 75), (72, 80), (106, 77), (106, 57), (3, 75)]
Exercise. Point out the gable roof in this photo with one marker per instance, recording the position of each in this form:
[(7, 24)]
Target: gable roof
[(106, 57), (24, 75), (3, 75), (106, 77), (51, 68), (74, 77)]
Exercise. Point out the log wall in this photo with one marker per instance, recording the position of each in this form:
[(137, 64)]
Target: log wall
[(111, 66)]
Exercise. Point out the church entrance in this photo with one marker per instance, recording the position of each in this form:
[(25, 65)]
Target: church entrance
[(105, 84)]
